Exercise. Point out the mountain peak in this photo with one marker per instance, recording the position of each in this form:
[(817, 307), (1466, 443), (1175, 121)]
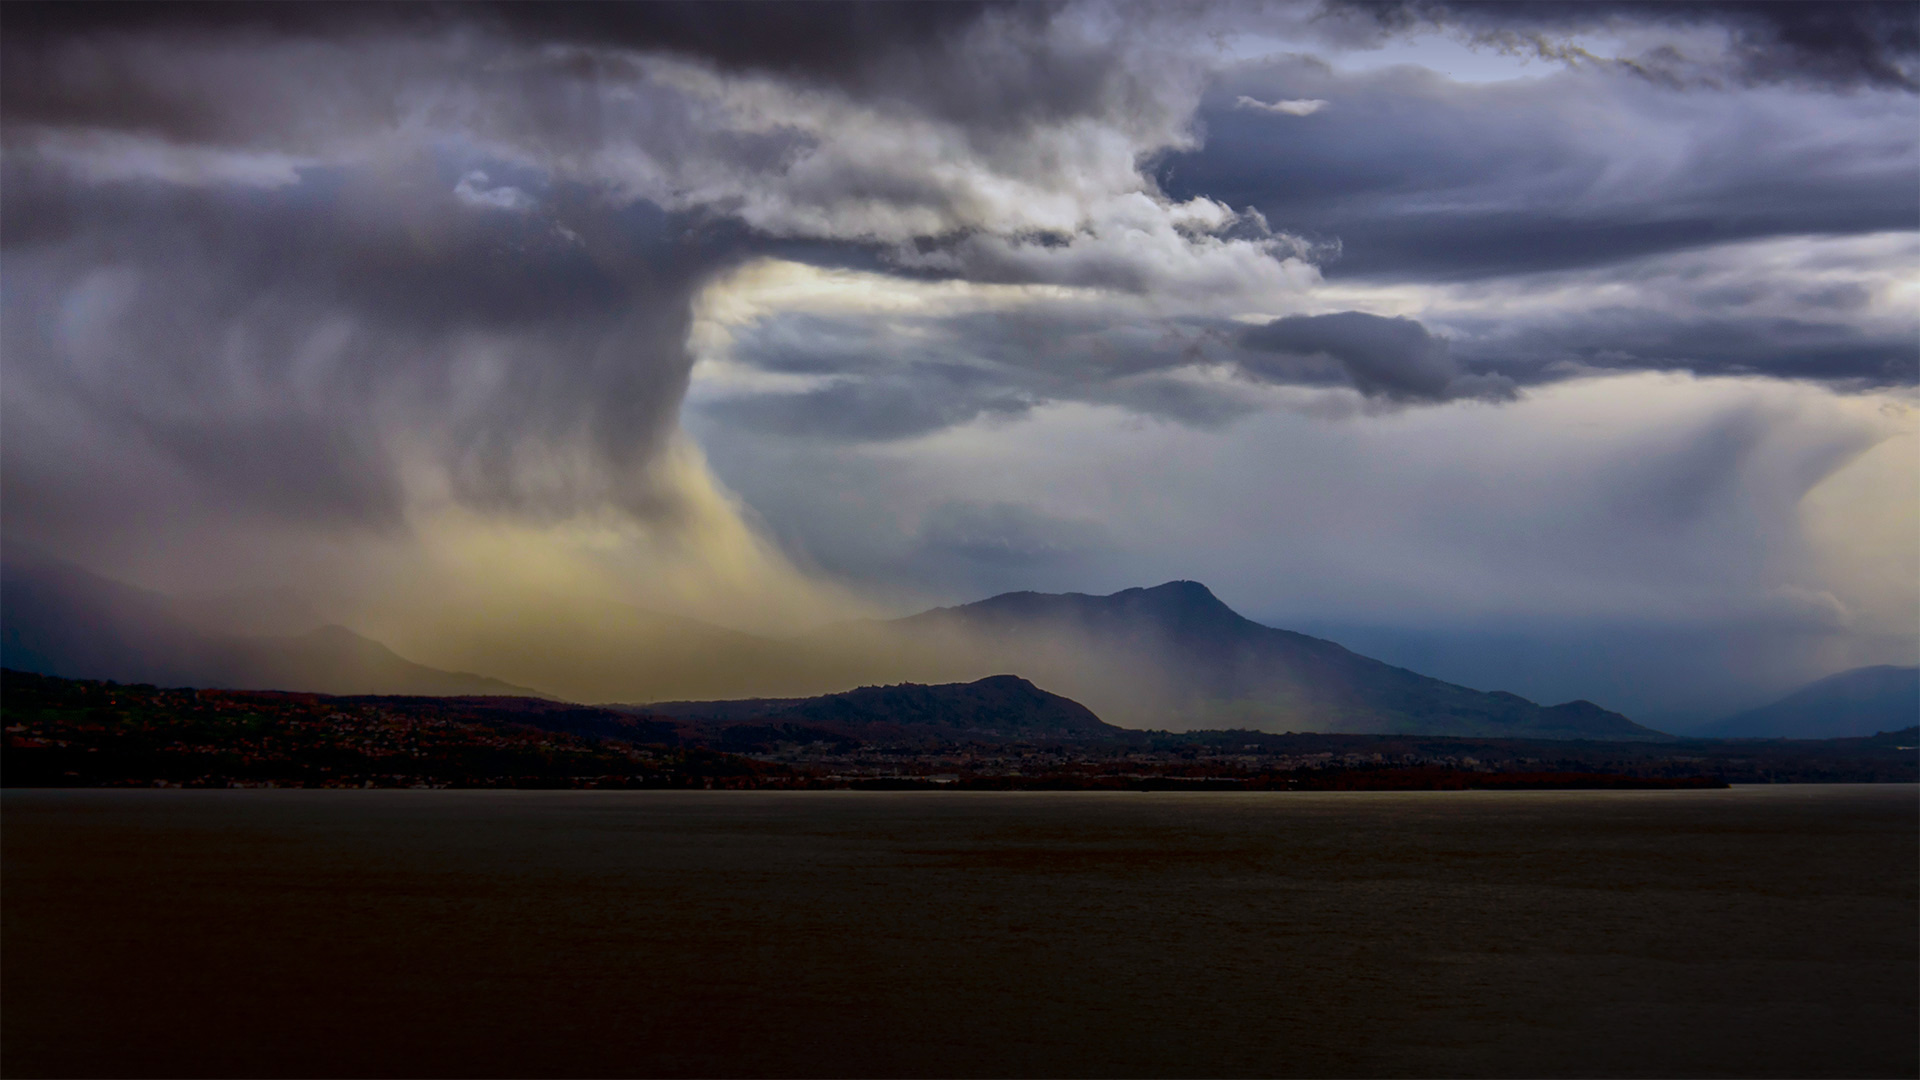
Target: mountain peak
[(1181, 604), (1003, 706), (1183, 609), (1190, 596), (1191, 592)]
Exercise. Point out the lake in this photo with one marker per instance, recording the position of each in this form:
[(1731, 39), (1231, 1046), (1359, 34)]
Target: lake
[(1756, 931)]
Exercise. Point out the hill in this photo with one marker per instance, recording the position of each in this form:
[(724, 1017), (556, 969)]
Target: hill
[(999, 708), (1862, 701)]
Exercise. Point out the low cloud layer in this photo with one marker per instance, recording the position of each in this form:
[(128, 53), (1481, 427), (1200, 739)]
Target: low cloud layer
[(1392, 358)]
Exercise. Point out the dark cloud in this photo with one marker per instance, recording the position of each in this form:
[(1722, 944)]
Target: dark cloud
[(1627, 339), (825, 40), (313, 257), (1440, 246), (901, 376), (993, 67), (927, 133), (1415, 177), (822, 40), (1839, 44), (296, 350), (898, 377), (1395, 359), (1829, 43), (926, 55)]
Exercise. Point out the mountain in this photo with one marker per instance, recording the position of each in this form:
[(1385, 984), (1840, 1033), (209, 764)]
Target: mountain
[(58, 619), (1176, 657), (1863, 701), (1172, 657), (998, 708)]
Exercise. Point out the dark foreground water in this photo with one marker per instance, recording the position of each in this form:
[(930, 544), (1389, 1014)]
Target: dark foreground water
[(1751, 932)]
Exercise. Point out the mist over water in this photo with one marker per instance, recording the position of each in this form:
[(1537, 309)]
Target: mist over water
[(1751, 932)]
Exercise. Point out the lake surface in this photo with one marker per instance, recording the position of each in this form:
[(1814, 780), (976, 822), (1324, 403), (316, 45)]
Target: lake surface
[(1769, 931)]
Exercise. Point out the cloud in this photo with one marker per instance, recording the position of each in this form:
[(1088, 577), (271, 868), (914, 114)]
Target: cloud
[(949, 140), (116, 156), (1834, 308), (520, 370), (473, 190), (699, 111), (849, 46), (1831, 44), (1626, 338), (1396, 358), (854, 356), (410, 278), (862, 356), (1427, 179), (930, 400), (1296, 107)]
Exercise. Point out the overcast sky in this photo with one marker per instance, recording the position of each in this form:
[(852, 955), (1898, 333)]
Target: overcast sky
[(1562, 348)]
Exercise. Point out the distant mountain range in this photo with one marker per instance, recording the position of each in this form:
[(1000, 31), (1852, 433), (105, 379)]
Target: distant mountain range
[(1173, 657), (58, 619), (1176, 657), (1863, 701)]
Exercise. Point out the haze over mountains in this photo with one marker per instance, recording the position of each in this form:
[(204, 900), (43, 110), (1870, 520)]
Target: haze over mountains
[(1863, 701), (1173, 657), (1176, 657), (59, 619)]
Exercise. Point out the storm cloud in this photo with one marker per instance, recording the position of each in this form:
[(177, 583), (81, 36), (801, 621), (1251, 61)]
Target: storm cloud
[(1842, 45), (313, 261), (298, 351), (1392, 358), (475, 293), (1421, 178)]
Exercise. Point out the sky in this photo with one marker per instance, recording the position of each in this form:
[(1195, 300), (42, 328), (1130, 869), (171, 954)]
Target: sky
[(1569, 349)]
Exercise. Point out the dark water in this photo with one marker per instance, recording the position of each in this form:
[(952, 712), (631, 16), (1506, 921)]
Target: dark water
[(1751, 932)]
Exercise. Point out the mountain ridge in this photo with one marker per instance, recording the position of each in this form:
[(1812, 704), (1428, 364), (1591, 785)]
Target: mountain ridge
[(1178, 650), (1168, 657), (998, 707), (1858, 702)]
